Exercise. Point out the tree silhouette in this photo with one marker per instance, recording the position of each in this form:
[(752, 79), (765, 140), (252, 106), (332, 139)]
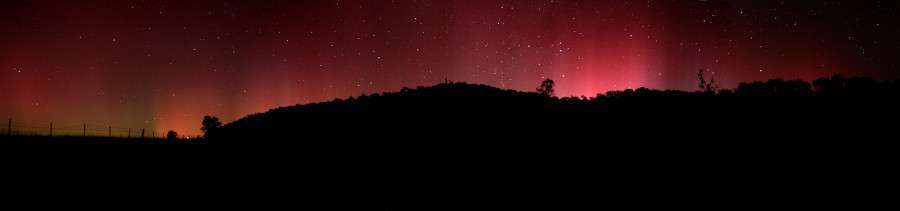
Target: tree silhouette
[(707, 86), (210, 125), (546, 88), (172, 135)]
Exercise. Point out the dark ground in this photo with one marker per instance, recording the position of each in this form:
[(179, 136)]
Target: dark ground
[(434, 149)]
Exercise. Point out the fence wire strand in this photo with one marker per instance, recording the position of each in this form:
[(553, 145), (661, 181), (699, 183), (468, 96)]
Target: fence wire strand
[(22, 128)]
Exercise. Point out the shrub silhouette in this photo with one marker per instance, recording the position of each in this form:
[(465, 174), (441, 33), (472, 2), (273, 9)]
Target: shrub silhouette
[(172, 135), (830, 86), (775, 87)]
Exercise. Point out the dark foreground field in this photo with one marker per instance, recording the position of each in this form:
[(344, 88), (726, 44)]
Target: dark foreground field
[(79, 140)]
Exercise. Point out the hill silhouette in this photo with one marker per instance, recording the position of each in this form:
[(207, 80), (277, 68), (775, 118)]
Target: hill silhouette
[(464, 112), (787, 139)]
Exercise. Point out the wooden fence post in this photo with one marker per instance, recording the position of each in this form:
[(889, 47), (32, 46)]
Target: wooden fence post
[(142, 133), (51, 129), (9, 128), (84, 130)]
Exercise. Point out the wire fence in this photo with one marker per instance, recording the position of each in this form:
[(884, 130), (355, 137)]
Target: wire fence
[(18, 128)]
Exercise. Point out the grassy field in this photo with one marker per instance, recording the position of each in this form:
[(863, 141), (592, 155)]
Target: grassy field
[(93, 140)]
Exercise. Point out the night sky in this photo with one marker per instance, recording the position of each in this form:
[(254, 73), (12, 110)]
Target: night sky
[(164, 64)]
